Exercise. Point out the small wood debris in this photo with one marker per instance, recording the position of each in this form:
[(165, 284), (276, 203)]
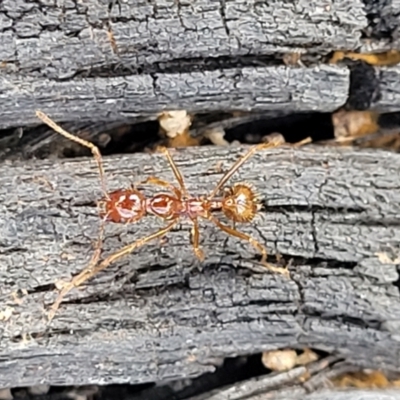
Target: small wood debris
[(5, 315), (285, 360), (384, 258)]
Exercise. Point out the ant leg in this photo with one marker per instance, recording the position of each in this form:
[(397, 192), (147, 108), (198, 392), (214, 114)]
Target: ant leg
[(67, 286), (175, 170), (94, 149), (196, 240), (152, 180), (92, 270), (98, 246), (99, 243), (230, 231), (273, 143)]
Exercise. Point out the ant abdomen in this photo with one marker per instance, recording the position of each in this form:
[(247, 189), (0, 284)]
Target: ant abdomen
[(123, 206), (240, 203)]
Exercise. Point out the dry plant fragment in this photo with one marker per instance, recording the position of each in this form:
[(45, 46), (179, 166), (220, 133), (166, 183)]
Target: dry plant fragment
[(239, 203), (384, 139), (112, 40), (306, 357), (349, 125), (362, 129), (174, 123), (279, 360), (175, 126), (284, 360), (216, 136), (388, 58), (363, 379), (184, 140)]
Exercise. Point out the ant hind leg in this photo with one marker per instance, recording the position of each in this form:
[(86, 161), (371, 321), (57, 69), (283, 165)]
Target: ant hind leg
[(254, 243), (92, 269)]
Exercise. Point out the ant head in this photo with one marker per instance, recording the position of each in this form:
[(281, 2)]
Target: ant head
[(123, 206), (240, 203)]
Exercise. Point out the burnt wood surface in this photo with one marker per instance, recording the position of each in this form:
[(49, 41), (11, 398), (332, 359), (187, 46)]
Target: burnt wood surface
[(159, 314), (113, 60), (322, 88)]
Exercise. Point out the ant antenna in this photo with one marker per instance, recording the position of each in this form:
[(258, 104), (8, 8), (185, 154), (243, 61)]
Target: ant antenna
[(240, 162), (95, 150)]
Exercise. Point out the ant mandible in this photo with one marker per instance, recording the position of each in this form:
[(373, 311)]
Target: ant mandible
[(239, 203)]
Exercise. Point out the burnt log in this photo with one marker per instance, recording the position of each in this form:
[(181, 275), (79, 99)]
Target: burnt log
[(159, 314), (108, 61)]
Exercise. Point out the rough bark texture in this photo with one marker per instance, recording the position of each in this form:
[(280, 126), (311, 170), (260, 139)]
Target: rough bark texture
[(105, 99), (335, 212), (60, 42), (111, 60)]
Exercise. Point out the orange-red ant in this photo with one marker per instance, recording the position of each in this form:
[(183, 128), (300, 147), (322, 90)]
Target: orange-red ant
[(239, 203)]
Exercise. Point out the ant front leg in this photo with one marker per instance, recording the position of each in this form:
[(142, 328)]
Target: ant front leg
[(230, 231), (261, 146), (92, 270)]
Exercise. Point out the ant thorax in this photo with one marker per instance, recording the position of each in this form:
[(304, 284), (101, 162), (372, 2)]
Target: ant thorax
[(240, 203), (123, 206)]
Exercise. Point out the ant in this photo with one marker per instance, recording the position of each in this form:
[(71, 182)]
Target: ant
[(239, 203)]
